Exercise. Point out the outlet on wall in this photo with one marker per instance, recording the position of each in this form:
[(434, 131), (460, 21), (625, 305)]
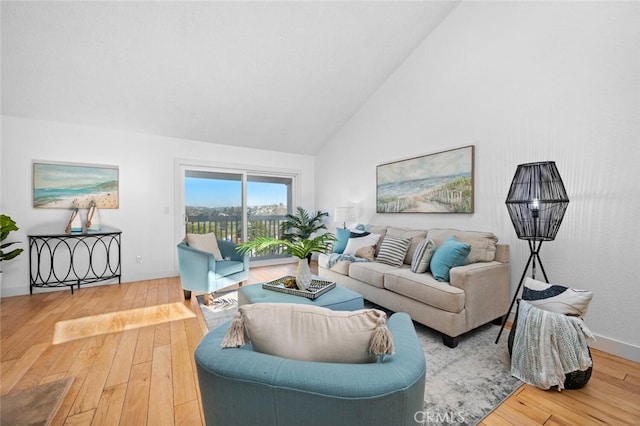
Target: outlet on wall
[(138, 259)]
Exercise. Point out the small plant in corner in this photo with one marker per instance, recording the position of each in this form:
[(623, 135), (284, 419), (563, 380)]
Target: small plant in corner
[(7, 225)]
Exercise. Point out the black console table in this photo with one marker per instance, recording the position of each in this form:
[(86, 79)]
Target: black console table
[(58, 259)]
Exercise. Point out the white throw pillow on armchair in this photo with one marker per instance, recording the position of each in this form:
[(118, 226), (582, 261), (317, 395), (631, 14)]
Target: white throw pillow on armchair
[(205, 242)]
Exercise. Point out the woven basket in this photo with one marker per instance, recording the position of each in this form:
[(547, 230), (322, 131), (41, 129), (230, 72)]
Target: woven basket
[(573, 380)]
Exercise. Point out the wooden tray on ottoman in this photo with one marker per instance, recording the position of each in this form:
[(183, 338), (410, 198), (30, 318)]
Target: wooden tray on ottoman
[(317, 289)]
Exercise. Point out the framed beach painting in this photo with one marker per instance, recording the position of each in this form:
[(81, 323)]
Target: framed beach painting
[(433, 183), (69, 185)]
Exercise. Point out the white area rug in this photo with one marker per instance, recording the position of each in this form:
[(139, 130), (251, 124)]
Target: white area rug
[(463, 385), (466, 383), (222, 310)]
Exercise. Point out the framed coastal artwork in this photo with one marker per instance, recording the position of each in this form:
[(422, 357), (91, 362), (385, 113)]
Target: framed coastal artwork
[(433, 183), (69, 185)]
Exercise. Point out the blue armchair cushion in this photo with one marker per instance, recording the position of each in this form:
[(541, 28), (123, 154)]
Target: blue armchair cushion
[(228, 267)]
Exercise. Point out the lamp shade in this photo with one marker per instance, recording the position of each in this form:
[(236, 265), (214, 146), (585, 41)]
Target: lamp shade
[(537, 201), (345, 214)]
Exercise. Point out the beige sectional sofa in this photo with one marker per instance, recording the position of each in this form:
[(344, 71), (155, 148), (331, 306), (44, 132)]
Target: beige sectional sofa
[(477, 292)]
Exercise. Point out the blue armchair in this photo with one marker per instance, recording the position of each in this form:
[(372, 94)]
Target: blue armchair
[(241, 387), (200, 271)]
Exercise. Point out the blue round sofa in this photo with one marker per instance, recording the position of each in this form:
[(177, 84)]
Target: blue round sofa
[(241, 387)]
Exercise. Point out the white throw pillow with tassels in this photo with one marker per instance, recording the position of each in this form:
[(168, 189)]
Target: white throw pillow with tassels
[(311, 333)]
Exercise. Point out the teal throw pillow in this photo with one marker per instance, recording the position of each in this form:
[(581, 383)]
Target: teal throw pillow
[(342, 238), (450, 254)]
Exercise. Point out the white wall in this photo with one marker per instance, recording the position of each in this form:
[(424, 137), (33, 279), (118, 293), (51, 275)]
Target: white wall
[(147, 214), (523, 82)]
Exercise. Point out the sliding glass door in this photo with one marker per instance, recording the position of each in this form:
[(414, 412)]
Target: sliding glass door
[(236, 205), (214, 203)]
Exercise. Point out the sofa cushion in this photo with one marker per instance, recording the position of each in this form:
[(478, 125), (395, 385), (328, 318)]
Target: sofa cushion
[(483, 244), (205, 242), (342, 237), (448, 255), (416, 236), (556, 298), (357, 241), (341, 266), (371, 273), (393, 250), (312, 333), (424, 288), (422, 256)]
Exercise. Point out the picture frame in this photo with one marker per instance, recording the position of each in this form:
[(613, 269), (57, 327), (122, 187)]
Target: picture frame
[(59, 185), (442, 182)]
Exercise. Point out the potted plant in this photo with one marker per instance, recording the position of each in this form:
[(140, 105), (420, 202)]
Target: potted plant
[(302, 225), (7, 225), (296, 242)]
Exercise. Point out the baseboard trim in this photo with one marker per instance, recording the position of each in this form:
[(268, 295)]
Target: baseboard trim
[(616, 347)]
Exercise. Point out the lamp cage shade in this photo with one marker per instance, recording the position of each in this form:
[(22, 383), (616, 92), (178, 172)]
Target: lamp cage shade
[(537, 201)]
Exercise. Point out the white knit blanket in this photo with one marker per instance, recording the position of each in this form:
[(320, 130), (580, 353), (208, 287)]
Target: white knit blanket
[(547, 345)]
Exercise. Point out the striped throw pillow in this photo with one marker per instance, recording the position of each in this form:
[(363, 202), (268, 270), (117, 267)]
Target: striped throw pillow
[(393, 250), (422, 256)]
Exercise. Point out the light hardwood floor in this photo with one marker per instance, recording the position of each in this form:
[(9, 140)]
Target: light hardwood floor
[(146, 375)]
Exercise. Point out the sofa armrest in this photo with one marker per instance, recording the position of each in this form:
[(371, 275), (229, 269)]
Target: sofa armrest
[(486, 287)]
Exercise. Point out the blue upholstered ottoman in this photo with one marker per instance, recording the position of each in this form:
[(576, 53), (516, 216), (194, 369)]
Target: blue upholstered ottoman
[(338, 298)]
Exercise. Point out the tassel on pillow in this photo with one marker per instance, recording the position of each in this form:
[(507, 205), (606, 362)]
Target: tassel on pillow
[(236, 335), (381, 339)]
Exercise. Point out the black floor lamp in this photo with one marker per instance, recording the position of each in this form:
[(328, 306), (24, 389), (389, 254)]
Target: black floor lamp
[(536, 203)]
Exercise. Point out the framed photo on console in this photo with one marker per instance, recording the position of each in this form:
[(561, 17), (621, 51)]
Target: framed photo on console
[(435, 183)]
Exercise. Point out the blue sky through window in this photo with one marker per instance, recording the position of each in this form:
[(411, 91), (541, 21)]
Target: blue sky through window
[(200, 192)]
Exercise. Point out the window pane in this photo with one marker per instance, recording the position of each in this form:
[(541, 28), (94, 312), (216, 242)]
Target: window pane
[(213, 203), (268, 201)]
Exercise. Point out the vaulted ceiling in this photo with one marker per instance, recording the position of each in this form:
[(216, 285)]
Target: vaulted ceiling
[(282, 76)]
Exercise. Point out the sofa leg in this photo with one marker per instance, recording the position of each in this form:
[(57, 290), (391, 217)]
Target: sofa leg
[(498, 321), (187, 294), (449, 341)]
